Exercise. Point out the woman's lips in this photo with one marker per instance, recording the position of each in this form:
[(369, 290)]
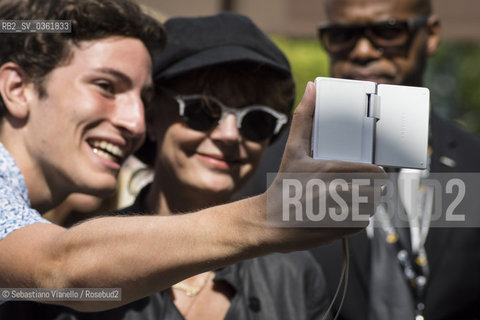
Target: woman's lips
[(218, 161)]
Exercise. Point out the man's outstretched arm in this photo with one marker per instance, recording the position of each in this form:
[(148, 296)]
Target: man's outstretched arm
[(145, 254)]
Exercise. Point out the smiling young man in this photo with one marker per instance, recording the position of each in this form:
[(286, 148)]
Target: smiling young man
[(389, 41), (92, 110), (72, 110)]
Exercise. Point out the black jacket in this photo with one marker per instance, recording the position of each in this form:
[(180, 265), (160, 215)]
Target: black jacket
[(453, 291)]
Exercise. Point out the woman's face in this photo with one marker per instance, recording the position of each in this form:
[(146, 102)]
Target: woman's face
[(217, 162)]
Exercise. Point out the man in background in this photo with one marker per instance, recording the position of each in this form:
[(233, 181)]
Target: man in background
[(389, 41)]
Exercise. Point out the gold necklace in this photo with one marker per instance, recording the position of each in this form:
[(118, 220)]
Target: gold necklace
[(192, 291)]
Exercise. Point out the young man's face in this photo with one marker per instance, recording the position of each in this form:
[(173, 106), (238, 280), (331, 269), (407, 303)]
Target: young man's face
[(402, 61), (92, 116)]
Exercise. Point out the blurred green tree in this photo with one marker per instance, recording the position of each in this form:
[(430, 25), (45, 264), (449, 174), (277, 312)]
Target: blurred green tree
[(307, 58), (454, 80)]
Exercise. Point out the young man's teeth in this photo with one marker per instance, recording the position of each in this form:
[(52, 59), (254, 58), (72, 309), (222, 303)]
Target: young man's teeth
[(104, 154), (111, 148)]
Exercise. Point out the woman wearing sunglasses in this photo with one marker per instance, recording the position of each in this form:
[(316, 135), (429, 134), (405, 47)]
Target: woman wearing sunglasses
[(224, 92)]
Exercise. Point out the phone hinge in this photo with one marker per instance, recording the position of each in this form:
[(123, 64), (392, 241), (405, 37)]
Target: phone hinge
[(373, 106)]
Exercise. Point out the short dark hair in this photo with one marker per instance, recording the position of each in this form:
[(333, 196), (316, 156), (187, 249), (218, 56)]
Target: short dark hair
[(261, 81), (39, 53)]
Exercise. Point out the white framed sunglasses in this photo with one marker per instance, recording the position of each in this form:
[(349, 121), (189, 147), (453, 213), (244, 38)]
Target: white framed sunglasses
[(203, 112)]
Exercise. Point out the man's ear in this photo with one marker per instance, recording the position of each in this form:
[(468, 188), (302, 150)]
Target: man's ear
[(433, 28), (14, 85)]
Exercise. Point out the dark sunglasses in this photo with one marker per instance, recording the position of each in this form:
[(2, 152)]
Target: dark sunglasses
[(202, 113), (390, 36)]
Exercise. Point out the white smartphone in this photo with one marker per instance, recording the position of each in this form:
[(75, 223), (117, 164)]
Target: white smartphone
[(361, 121)]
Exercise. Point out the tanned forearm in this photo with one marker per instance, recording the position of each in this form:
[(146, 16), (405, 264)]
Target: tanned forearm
[(140, 254)]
